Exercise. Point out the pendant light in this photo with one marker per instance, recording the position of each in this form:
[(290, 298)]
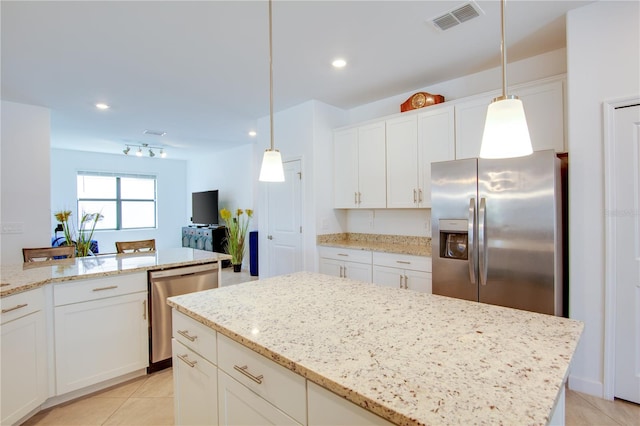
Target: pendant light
[(271, 170), (505, 130)]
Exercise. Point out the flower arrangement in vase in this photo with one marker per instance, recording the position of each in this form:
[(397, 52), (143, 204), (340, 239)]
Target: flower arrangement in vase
[(236, 229), (82, 241)]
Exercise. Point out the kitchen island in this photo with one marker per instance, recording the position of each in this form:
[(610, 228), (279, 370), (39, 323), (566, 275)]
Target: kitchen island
[(409, 357)]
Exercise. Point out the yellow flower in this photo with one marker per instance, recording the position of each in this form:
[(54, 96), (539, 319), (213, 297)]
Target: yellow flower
[(239, 212), (225, 214), (249, 212), (63, 216)]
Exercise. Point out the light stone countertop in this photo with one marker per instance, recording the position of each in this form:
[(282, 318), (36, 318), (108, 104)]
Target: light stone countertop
[(412, 358), (416, 246), (16, 278)]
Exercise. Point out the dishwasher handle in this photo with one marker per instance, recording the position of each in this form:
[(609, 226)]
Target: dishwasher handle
[(184, 270)]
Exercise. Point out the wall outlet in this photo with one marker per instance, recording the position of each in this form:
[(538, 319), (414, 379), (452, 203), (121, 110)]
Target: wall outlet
[(12, 228)]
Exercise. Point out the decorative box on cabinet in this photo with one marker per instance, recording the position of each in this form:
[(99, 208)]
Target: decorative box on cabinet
[(23, 370), (346, 263), (359, 167), (402, 271), (101, 329), (413, 143)]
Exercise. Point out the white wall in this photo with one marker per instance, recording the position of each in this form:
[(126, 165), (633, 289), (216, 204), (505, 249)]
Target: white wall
[(603, 49), (25, 199), (171, 193)]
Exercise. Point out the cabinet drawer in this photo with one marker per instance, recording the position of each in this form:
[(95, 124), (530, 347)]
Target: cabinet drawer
[(281, 387), (194, 335), (98, 288), (21, 304), (350, 255), (404, 261)]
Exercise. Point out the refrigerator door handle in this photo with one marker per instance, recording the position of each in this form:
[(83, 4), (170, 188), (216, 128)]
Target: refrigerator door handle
[(470, 240), (482, 241)]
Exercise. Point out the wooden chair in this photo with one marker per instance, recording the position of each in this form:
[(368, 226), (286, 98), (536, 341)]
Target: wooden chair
[(135, 246), (47, 253)]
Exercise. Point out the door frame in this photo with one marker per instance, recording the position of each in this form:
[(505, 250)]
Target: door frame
[(608, 110)]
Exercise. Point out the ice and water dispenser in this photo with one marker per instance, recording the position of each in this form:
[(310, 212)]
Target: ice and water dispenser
[(454, 238)]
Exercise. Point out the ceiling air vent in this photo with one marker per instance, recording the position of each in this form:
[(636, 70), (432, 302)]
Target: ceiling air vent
[(456, 16)]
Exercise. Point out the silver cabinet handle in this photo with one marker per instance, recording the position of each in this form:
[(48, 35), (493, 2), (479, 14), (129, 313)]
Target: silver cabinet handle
[(406, 282), (405, 262), (343, 254), (186, 360), (185, 333), (111, 287), (420, 195), (23, 305), (144, 309), (355, 198), (400, 281), (359, 198), (243, 370), (415, 196), (471, 254)]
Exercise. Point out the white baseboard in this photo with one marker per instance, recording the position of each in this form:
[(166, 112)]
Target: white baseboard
[(587, 386)]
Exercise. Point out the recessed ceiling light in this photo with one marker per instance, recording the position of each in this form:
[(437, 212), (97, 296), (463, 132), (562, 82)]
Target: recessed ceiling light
[(339, 63), (252, 133), (102, 106)]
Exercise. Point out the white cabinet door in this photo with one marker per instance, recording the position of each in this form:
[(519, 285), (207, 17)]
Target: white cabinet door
[(390, 277), (402, 162), (195, 388), (436, 142), (543, 106), (237, 405), (372, 187), (327, 408), (358, 271), (345, 163), (331, 267), (24, 362), (544, 109), (418, 281), (100, 339)]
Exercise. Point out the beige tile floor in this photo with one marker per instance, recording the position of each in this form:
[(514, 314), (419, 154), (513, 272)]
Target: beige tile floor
[(149, 400)]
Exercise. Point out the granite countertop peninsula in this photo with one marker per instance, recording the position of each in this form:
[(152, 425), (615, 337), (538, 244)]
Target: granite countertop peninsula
[(19, 277), (412, 358), (402, 244)]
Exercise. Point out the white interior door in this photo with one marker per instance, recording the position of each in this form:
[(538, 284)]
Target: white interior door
[(624, 225), (284, 238)]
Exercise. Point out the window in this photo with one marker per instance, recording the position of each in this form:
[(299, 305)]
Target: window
[(125, 201)]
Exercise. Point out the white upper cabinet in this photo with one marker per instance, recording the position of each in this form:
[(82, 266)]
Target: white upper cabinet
[(413, 143), (359, 160), (543, 107)]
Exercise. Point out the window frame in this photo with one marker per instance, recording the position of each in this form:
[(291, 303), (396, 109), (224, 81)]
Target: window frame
[(118, 197)]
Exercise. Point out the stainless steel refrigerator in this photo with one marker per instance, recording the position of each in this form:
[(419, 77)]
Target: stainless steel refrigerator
[(497, 231)]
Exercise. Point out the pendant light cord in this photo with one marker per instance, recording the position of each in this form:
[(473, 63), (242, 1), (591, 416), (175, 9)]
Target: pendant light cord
[(270, 76), (503, 47)]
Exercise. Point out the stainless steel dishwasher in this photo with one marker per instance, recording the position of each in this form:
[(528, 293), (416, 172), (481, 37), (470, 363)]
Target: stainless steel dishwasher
[(167, 283)]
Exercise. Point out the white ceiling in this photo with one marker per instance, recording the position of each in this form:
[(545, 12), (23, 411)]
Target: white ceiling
[(199, 70)]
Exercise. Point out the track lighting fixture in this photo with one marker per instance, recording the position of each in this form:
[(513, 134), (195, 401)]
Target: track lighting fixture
[(146, 146)]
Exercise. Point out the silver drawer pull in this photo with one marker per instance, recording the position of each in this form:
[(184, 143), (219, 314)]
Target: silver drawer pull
[(342, 254), (4, 311), (111, 287), (185, 333), (243, 370), (404, 262), (186, 360)]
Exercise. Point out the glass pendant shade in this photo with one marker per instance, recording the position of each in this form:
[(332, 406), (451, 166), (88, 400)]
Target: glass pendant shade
[(506, 133), (271, 170)]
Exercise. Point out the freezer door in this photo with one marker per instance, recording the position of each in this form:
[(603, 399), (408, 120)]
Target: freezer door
[(453, 228), (519, 232)]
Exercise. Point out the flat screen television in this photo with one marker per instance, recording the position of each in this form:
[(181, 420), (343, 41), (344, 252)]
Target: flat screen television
[(204, 208)]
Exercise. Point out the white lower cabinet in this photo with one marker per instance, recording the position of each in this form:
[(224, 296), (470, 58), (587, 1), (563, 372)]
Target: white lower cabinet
[(195, 384), (23, 359), (346, 263), (239, 405), (402, 271), (101, 330), (327, 408)]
